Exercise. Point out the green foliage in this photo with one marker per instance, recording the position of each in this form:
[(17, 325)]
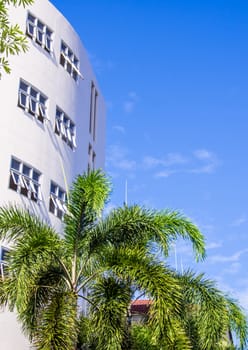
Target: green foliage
[(110, 298), (112, 257), (58, 321), (141, 336), (12, 39)]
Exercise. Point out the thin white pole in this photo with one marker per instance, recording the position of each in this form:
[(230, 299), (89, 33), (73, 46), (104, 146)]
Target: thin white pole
[(175, 251), (181, 265), (125, 192)]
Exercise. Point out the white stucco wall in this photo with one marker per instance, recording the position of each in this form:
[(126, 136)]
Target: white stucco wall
[(36, 144)]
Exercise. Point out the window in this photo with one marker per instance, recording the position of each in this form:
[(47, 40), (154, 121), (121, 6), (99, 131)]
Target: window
[(3, 263), (91, 158), (39, 32), (32, 101), (65, 128), (93, 110), (57, 203), (94, 160), (25, 180), (3, 252), (69, 61)]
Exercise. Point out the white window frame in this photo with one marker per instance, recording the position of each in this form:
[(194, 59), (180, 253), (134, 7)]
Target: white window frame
[(40, 108), (24, 106), (90, 152), (44, 31), (26, 181), (59, 203), (91, 158), (65, 127), (69, 60), (3, 262), (1, 253), (74, 139)]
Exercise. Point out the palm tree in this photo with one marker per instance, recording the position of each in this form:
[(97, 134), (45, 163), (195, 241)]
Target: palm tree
[(112, 257), (209, 316), (202, 318)]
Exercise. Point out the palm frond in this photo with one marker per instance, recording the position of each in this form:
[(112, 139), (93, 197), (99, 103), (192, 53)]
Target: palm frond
[(111, 298), (175, 225), (237, 322), (16, 222), (19, 2), (58, 327), (86, 202), (113, 257), (12, 39), (48, 282), (141, 338), (209, 314), (133, 225), (134, 266)]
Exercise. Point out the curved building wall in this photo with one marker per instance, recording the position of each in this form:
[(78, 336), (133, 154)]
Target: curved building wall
[(52, 122)]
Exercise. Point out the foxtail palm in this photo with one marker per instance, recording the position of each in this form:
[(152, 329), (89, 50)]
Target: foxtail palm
[(209, 316), (201, 317), (111, 256)]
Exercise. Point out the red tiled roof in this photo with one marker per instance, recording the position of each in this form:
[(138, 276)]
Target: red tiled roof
[(140, 306)]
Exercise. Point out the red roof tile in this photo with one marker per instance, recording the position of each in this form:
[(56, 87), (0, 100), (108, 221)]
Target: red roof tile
[(140, 306)]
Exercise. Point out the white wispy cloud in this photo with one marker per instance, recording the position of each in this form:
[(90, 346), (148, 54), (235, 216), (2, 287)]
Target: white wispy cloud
[(170, 164), (209, 162), (233, 268), (181, 255), (206, 229), (100, 65), (242, 296), (119, 128), (198, 162), (109, 105), (108, 208), (128, 106), (130, 102), (203, 154), (126, 164), (183, 248), (117, 157), (165, 173), (227, 258), (239, 221), (213, 245), (169, 160)]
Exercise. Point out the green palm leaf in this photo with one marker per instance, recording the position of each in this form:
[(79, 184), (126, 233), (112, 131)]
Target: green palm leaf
[(113, 258), (132, 225)]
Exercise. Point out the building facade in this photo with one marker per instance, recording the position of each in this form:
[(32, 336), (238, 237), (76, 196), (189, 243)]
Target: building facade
[(52, 123), (139, 311)]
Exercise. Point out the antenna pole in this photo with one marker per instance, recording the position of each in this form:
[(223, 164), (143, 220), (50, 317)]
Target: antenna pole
[(125, 202), (182, 266), (175, 250)]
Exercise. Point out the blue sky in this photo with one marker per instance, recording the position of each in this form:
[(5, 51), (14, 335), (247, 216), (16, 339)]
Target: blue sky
[(174, 76)]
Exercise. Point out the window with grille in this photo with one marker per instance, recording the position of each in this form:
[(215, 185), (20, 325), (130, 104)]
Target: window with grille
[(25, 179), (91, 159), (69, 61), (39, 32), (3, 252), (57, 203), (32, 101), (65, 128), (3, 264)]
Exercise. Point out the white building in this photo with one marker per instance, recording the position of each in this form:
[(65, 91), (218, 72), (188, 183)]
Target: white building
[(52, 125)]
